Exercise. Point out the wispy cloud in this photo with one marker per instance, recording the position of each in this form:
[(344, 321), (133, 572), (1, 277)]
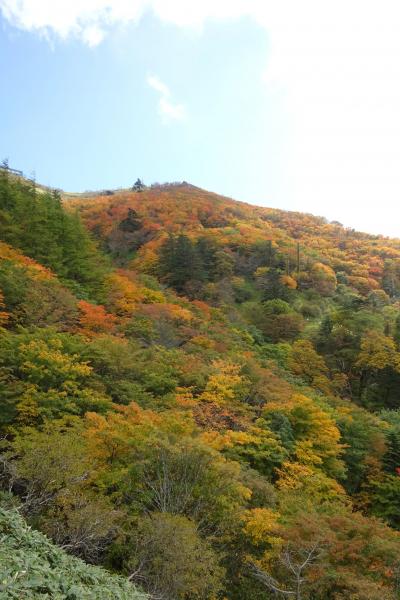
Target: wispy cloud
[(158, 85), (169, 110)]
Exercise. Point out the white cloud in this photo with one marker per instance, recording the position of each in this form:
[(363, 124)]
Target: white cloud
[(167, 109), (88, 20), (336, 64), (158, 85), (76, 17), (93, 35)]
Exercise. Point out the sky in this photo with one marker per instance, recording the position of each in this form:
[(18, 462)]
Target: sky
[(290, 104)]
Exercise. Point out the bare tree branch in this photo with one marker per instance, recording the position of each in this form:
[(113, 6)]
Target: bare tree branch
[(295, 562)]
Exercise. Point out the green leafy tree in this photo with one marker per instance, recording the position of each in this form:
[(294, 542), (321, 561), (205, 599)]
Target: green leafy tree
[(171, 560)]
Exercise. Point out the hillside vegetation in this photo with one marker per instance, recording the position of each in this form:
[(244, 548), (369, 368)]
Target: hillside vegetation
[(33, 568), (202, 395)]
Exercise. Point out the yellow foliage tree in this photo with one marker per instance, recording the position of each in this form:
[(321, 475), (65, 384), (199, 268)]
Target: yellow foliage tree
[(224, 383), (317, 437), (323, 278), (305, 362), (310, 484), (378, 351), (289, 282)]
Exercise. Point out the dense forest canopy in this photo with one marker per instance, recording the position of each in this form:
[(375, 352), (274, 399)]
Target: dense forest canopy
[(198, 395)]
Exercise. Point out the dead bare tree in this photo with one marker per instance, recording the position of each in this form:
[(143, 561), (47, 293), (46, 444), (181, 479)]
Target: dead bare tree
[(296, 562)]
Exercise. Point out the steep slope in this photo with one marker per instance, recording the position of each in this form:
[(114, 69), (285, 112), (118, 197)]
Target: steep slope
[(178, 208), (218, 403)]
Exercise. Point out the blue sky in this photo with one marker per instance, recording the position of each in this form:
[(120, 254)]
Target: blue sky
[(84, 117), (295, 107)]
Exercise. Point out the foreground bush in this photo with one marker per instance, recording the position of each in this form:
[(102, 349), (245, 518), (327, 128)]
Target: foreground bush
[(31, 567)]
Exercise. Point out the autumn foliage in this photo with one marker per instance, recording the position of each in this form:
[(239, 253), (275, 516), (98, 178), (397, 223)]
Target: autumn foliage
[(199, 393)]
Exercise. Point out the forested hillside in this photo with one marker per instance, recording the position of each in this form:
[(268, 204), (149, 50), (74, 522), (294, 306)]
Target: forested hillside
[(201, 395)]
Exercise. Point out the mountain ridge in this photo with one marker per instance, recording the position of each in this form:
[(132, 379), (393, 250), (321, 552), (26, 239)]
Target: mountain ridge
[(73, 195)]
